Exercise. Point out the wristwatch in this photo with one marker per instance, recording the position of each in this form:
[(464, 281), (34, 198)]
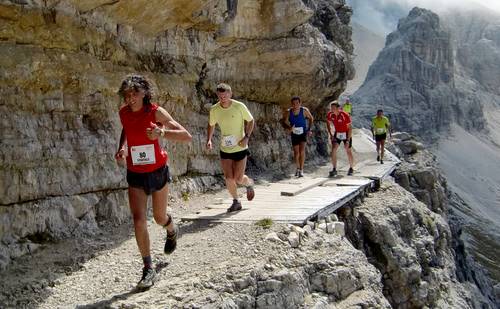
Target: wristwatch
[(162, 134)]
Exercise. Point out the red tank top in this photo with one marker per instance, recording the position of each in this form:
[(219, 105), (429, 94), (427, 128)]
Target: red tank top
[(144, 155)]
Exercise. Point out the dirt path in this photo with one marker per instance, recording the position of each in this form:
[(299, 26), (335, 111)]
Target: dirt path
[(101, 271)]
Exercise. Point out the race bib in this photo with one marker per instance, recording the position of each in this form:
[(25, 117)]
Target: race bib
[(229, 141), (298, 130), (380, 130), (144, 154), (342, 136)]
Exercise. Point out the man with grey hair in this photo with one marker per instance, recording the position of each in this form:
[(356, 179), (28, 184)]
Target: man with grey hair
[(236, 125)]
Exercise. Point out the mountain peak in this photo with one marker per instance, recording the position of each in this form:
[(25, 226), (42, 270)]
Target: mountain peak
[(419, 16), (413, 79)]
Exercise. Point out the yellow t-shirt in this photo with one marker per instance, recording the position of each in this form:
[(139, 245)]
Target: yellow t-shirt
[(347, 108), (379, 125), (231, 121)]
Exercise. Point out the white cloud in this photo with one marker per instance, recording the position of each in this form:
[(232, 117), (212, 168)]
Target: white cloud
[(492, 4), (382, 15)]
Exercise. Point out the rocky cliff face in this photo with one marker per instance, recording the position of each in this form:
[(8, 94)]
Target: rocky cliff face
[(62, 62), (442, 85), (477, 62), (410, 234), (475, 34), (413, 80)]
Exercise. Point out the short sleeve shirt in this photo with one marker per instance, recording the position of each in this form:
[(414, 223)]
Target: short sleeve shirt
[(347, 108), (340, 122), (231, 122), (380, 125)]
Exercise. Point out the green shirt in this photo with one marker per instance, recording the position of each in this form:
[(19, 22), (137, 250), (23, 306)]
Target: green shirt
[(231, 122), (380, 125), (347, 108)]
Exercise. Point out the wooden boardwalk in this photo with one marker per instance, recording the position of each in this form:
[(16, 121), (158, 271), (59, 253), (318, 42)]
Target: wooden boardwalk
[(297, 200)]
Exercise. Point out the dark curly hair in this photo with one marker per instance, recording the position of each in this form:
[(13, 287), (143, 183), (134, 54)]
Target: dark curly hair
[(137, 83)]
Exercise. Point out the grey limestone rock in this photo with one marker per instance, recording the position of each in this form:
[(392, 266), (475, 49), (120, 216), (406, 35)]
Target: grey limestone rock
[(414, 80), (294, 239), (58, 143)]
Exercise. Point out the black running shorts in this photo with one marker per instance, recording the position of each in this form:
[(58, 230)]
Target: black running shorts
[(338, 141), (299, 138), (235, 156), (380, 137), (149, 182)]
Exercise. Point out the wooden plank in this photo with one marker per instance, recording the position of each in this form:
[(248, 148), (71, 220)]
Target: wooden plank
[(378, 171), (339, 203), (296, 209), (276, 219), (243, 215), (313, 205), (274, 199), (304, 187), (299, 199), (348, 181)]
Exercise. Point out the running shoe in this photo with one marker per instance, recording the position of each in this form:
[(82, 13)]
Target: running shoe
[(297, 173), (148, 278), (250, 193), (171, 242), (301, 173), (378, 158), (332, 173), (235, 206), (381, 161), (350, 172)]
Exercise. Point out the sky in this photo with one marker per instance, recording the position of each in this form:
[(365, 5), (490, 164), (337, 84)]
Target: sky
[(381, 16)]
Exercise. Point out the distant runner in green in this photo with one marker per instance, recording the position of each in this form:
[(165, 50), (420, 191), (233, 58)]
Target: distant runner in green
[(347, 107), (380, 127)]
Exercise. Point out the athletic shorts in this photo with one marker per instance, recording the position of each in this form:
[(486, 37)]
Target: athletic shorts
[(235, 156), (338, 141), (299, 138), (380, 137), (149, 182)]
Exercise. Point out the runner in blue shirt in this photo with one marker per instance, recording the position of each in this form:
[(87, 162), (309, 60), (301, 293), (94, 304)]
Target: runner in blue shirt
[(298, 121)]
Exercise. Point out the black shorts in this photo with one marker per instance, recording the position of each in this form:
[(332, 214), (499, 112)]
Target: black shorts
[(235, 156), (380, 137), (299, 138), (338, 141), (149, 182)]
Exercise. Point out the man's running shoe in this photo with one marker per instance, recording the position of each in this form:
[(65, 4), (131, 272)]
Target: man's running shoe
[(332, 173), (350, 172), (171, 242), (235, 206), (381, 161), (378, 158), (297, 173), (250, 193), (301, 173), (148, 278)]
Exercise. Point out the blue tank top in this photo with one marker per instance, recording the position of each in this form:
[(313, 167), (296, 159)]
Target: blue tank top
[(298, 120)]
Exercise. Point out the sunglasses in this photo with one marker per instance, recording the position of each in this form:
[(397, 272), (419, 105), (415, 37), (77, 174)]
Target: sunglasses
[(221, 90)]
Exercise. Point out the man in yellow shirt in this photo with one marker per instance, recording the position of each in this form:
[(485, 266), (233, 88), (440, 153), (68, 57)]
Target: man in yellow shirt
[(347, 107), (380, 127), (236, 125)]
